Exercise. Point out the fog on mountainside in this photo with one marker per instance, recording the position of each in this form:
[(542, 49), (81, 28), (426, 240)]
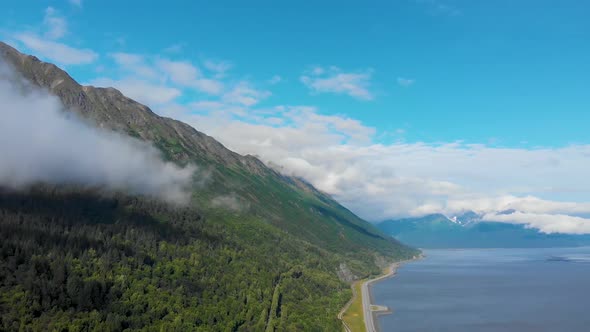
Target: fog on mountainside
[(40, 142)]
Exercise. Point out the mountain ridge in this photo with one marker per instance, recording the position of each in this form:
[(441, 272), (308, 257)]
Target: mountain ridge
[(468, 230), (109, 108), (74, 257), (92, 103)]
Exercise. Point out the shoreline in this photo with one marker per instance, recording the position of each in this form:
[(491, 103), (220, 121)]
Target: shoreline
[(371, 324)]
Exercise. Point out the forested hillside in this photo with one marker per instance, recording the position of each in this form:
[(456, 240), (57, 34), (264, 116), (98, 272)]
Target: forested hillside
[(84, 259), (81, 261)]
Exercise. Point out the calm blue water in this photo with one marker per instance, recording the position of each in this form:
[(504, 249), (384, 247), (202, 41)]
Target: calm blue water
[(490, 290)]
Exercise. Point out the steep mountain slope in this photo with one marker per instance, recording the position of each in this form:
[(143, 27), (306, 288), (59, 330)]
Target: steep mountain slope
[(438, 231), (271, 264), (302, 209)]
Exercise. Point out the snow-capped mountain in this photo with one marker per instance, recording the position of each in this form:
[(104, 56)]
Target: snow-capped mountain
[(469, 230)]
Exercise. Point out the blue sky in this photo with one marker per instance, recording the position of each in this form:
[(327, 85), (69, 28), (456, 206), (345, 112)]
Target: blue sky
[(407, 88), (504, 72)]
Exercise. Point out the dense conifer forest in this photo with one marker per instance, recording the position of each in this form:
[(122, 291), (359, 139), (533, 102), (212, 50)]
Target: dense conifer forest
[(80, 261)]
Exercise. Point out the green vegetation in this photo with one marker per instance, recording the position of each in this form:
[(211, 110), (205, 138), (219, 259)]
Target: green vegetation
[(80, 261), (354, 316)]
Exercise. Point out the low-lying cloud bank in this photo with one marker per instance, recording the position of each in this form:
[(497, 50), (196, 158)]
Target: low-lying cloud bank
[(42, 143), (547, 223), (546, 186)]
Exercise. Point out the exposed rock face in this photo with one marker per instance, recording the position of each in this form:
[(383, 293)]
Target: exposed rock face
[(345, 274), (109, 108)]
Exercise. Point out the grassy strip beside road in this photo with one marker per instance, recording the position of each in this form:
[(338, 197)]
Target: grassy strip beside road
[(353, 317), (357, 314)]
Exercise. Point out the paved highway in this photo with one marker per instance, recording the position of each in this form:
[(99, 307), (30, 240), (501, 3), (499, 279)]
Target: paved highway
[(366, 295)]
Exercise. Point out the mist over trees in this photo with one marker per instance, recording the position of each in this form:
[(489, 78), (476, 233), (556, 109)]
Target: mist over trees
[(41, 142)]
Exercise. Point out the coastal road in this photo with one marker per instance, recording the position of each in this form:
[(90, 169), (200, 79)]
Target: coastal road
[(366, 296)]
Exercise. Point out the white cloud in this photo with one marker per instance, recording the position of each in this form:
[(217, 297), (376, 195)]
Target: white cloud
[(121, 41), (49, 47), (55, 25), (162, 80), (175, 48), (135, 64), (218, 67), (159, 82), (317, 71), (77, 3), (439, 8), (186, 74), (140, 90), (275, 80), (210, 86), (180, 72), (547, 223), (400, 131), (207, 105), (333, 80), (338, 155), (128, 59), (405, 82), (55, 51), (39, 142), (244, 94)]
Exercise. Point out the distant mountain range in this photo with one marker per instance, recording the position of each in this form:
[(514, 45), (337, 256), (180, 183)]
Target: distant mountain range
[(469, 231)]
